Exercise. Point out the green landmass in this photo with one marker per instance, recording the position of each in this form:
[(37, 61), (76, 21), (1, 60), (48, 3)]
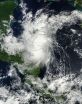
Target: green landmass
[(33, 71), (4, 25), (10, 58), (76, 3), (6, 9)]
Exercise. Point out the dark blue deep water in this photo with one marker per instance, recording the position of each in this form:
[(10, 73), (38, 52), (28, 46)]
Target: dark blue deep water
[(51, 8)]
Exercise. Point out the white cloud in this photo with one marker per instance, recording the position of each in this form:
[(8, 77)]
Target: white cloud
[(38, 36), (11, 45)]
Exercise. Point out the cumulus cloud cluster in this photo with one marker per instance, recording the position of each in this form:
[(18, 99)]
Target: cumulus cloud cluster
[(36, 45), (38, 36)]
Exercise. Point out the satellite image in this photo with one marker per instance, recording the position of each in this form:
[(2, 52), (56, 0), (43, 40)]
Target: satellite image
[(40, 51)]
